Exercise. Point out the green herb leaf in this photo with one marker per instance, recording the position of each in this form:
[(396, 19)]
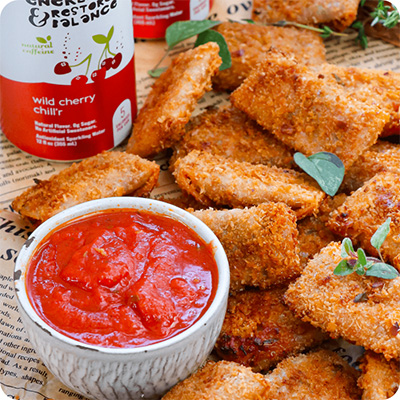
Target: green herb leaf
[(380, 235), (213, 36), (343, 269), (249, 21), (361, 37), (326, 32), (382, 270), (347, 247), (359, 268), (326, 168), (155, 73), (41, 40), (100, 39), (362, 257), (182, 30)]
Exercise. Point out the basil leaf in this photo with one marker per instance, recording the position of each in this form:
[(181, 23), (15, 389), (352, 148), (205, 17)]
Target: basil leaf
[(362, 257), (326, 168), (249, 21), (213, 36), (347, 248), (155, 73), (380, 235), (382, 270), (343, 269), (182, 30)]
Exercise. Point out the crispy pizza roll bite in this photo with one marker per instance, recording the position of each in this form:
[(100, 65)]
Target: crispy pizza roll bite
[(366, 209), (107, 174), (172, 100), (248, 42), (361, 309), (307, 113), (314, 235), (381, 88), (229, 132), (338, 14), (220, 381), (259, 330), (321, 375), (219, 180), (380, 379), (382, 156), (260, 243)]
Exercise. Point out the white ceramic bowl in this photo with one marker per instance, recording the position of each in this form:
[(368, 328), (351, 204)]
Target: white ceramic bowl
[(124, 373)]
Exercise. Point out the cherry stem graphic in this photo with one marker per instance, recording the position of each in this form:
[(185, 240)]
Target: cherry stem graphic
[(88, 58)]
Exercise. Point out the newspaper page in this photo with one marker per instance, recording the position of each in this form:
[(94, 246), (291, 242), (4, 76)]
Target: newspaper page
[(22, 374)]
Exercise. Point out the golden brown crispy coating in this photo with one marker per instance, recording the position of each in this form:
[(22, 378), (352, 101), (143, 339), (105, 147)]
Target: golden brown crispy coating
[(220, 381), (363, 310), (381, 88), (338, 14), (382, 156), (321, 375), (259, 330), (219, 180), (314, 235), (260, 243), (366, 209), (172, 100), (306, 112), (248, 42), (380, 379), (107, 174), (229, 132)]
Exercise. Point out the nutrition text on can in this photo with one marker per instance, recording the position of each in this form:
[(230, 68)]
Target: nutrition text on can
[(67, 81)]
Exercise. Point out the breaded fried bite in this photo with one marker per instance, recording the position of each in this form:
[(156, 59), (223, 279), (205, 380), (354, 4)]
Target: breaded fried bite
[(380, 379), (381, 88), (338, 14), (366, 209), (172, 100), (220, 381), (382, 156), (320, 375), (314, 235), (107, 174), (229, 132), (218, 180), (307, 113), (260, 243), (248, 42), (364, 310), (259, 330)]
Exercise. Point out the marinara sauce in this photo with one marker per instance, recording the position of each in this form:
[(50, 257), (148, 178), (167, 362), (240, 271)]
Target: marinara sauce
[(122, 278)]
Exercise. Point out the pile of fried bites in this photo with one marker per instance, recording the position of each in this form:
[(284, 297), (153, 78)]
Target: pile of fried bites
[(281, 232)]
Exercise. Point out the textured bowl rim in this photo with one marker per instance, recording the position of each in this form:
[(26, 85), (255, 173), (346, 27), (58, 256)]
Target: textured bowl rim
[(135, 203)]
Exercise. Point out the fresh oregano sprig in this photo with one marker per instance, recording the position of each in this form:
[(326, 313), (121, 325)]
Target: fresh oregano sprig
[(182, 30), (326, 168), (359, 263), (324, 30)]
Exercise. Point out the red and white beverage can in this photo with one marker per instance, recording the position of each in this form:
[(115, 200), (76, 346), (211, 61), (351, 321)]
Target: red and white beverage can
[(67, 78), (152, 18)]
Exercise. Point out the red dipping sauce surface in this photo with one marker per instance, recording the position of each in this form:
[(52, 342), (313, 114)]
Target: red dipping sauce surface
[(122, 278)]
